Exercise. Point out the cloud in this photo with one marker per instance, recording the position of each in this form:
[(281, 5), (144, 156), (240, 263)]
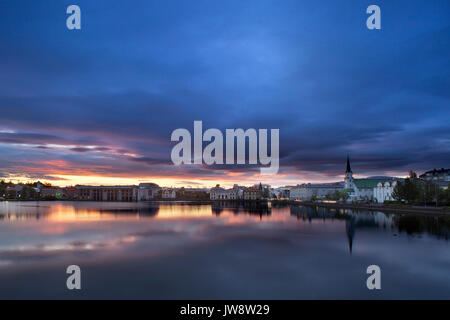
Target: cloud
[(112, 95)]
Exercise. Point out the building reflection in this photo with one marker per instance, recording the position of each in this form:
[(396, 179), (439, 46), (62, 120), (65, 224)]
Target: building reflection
[(411, 224), (438, 226), (150, 211), (255, 208), (350, 231), (311, 213), (68, 212)]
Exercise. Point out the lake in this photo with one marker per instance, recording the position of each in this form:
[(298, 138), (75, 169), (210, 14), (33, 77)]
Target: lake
[(173, 250)]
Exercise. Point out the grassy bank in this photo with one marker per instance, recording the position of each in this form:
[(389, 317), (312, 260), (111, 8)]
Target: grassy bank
[(391, 207)]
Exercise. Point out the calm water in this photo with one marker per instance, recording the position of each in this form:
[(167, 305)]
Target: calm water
[(186, 251)]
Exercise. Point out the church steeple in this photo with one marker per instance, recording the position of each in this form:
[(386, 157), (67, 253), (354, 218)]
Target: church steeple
[(348, 181), (348, 165), (350, 230)]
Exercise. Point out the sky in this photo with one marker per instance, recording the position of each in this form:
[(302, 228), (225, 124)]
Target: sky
[(98, 105)]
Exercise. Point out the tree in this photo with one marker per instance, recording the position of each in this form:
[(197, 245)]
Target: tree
[(11, 194), (344, 195), (28, 193), (397, 193), (339, 195), (447, 195), (2, 188), (429, 191), (408, 191), (266, 193), (442, 196)]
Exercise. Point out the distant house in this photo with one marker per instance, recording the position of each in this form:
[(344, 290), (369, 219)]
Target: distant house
[(108, 193), (13, 191), (218, 193), (383, 191), (38, 187), (194, 193), (51, 192), (148, 191), (169, 194), (70, 193), (309, 191), (441, 177), (235, 193), (281, 192), (253, 193)]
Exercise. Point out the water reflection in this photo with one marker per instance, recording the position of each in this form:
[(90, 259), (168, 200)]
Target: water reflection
[(150, 211), (412, 224), (253, 208), (70, 211), (224, 250), (438, 226)]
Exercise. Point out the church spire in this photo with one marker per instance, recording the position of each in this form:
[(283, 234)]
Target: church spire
[(350, 230), (348, 165)]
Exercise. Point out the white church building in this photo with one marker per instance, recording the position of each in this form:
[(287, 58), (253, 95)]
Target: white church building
[(383, 191)]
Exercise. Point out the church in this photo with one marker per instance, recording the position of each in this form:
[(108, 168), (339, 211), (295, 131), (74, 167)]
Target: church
[(368, 189)]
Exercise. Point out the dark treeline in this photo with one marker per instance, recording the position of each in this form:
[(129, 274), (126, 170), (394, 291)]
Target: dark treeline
[(421, 192), (27, 192)]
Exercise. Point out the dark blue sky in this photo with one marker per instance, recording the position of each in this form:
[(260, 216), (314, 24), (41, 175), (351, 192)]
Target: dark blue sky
[(103, 101)]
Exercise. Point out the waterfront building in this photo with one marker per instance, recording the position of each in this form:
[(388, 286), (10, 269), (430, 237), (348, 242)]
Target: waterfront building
[(13, 191), (168, 193), (193, 193), (216, 192), (51, 192), (281, 192), (308, 191), (108, 193), (383, 191), (148, 191), (219, 193), (253, 193), (70, 193), (38, 187)]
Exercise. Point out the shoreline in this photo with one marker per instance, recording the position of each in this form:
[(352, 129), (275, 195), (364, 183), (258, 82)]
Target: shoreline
[(352, 206), (373, 207)]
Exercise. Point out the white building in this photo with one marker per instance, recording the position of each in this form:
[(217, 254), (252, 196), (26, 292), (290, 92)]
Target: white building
[(368, 189), (148, 191), (253, 193), (169, 194), (441, 177), (218, 193), (436, 175), (307, 191), (106, 193), (383, 191)]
